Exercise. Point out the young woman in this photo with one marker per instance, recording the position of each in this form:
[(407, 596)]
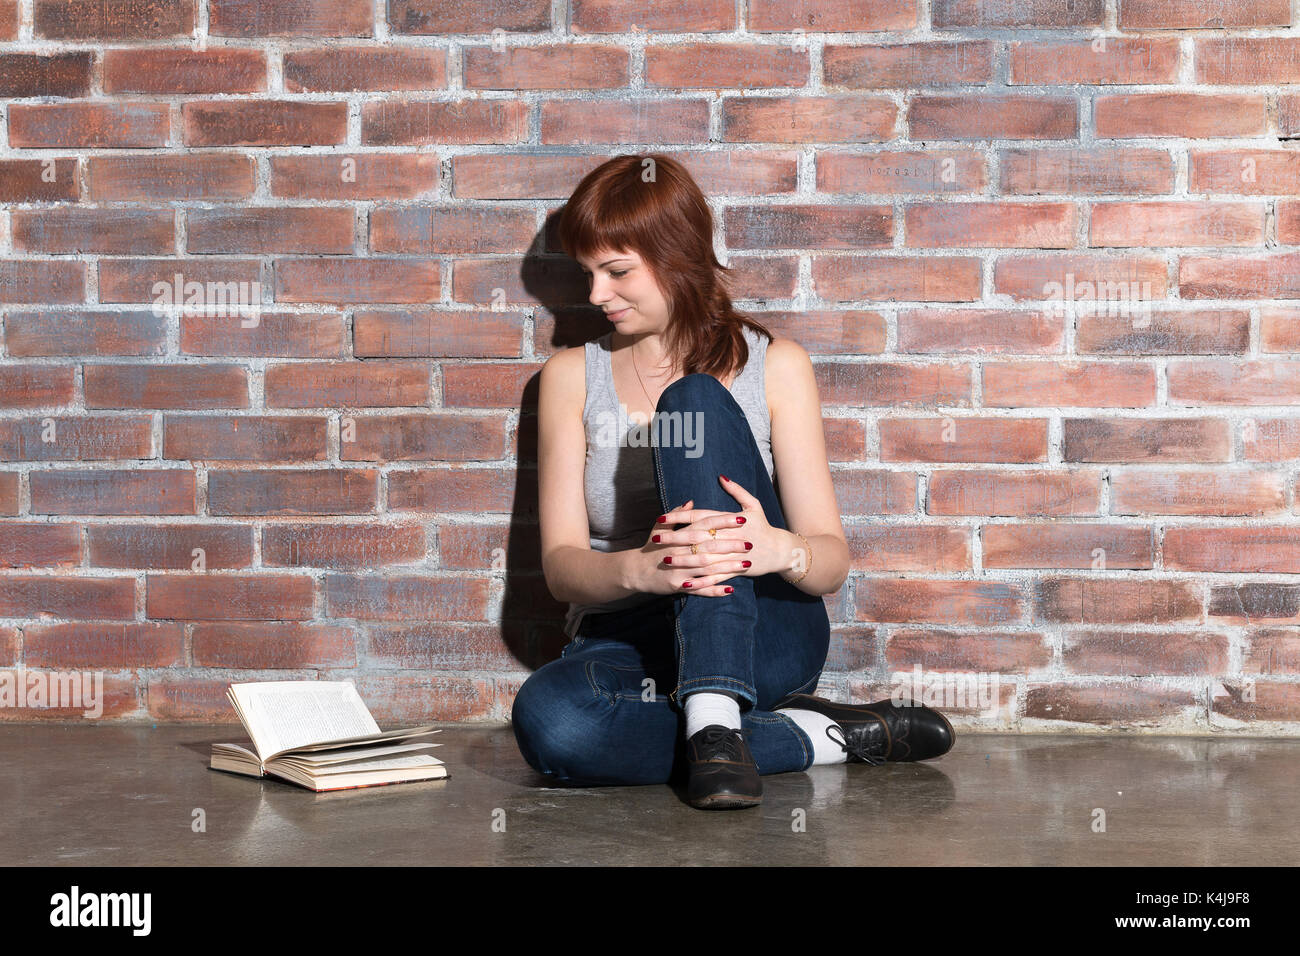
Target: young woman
[(696, 618)]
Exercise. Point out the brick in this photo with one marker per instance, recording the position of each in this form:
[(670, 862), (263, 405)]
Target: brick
[(276, 334), (989, 116), (1287, 212), (901, 173), (1097, 600), (1257, 549), (1035, 493), (592, 121), (354, 176), (850, 332), (44, 596), (1090, 279), (271, 229), (809, 227), (426, 437), (286, 491), (113, 19), (38, 544), (424, 699), (109, 231), (267, 438), (263, 123), (712, 66), (38, 74), (116, 699), (1135, 440), (1065, 383), (176, 699), (166, 386), (1272, 651), (907, 65), (221, 70), (273, 646), (428, 123), (622, 16), (472, 16), (342, 545), (1165, 332), (1251, 172), (433, 230), (1176, 224), (1110, 705), (1074, 171), (441, 647), (1248, 60), (51, 282), (9, 486), (1099, 547), (346, 384), (1255, 603), (1269, 701), (799, 119), (1198, 14), (1239, 277), (893, 383), (156, 547), (73, 438), (895, 547), (426, 333), (228, 597), (979, 330), (140, 491), (345, 69), (36, 386), (291, 18), (1199, 492), (484, 385), (1270, 439), (1279, 329), (9, 19), (107, 645), (963, 439), (88, 125), (406, 597), (1187, 115), (459, 491), (999, 224), (1123, 60), (941, 602), (39, 180), (563, 66), (1017, 13), (136, 280), (898, 278), (873, 491), (1234, 382), (210, 176), (1129, 654), (340, 281)]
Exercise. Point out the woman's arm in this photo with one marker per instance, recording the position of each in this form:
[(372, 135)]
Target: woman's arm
[(804, 476), (573, 571)]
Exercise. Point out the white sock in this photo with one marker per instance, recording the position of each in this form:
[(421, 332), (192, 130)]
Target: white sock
[(711, 707), (825, 750)]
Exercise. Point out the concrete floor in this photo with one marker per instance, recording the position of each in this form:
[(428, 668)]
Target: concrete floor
[(125, 795)]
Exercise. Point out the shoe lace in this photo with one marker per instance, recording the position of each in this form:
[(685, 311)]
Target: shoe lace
[(726, 739), (858, 748)]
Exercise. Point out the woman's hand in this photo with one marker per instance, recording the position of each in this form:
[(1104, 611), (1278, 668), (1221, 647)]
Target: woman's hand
[(745, 544)]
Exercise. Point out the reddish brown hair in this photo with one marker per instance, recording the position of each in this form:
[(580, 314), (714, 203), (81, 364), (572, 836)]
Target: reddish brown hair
[(649, 204)]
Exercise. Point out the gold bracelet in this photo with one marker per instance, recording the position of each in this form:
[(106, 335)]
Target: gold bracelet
[(808, 548)]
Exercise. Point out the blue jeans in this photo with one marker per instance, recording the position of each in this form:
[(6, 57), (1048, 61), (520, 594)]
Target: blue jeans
[(599, 714)]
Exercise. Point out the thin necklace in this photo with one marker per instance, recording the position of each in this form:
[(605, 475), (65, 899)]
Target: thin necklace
[(638, 378)]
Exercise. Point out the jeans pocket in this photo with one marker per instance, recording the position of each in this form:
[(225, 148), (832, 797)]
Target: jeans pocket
[(573, 645)]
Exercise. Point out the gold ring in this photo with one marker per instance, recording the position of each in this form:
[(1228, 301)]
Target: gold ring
[(713, 532), (694, 550)]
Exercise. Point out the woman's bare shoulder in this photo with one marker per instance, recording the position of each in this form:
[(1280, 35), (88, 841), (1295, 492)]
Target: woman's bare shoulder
[(784, 360), (564, 376)]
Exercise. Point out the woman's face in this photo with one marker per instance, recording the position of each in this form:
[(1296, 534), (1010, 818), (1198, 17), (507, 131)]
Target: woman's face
[(624, 288)]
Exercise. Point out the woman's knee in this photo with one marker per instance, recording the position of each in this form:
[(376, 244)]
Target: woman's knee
[(557, 719)]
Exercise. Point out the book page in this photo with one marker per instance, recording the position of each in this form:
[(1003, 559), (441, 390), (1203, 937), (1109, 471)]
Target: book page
[(281, 715)]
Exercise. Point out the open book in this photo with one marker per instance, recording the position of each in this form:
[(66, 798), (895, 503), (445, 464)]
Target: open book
[(320, 735)]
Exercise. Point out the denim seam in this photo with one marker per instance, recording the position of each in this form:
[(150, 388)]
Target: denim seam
[(750, 694), (801, 736)]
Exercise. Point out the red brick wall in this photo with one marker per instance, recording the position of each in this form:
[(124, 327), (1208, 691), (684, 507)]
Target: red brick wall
[(1045, 254)]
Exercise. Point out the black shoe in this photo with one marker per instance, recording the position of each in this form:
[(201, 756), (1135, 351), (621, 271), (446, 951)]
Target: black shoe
[(723, 775), (883, 731)]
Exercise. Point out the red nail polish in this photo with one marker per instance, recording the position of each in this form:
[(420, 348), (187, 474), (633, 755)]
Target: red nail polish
[(655, 539), (749, 546), (663, 518), (745, 564), (725, 478), (668, 560), (686, 584), (740, 519), (728, 590)]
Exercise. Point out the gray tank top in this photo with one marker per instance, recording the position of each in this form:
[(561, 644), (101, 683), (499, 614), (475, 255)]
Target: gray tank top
[(619, 481)]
